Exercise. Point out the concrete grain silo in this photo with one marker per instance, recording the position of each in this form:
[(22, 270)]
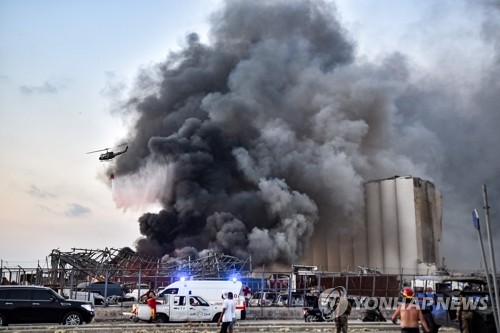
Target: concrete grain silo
[(403, 218)]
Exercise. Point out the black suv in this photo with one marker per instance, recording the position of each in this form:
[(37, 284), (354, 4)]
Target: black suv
[(34, 304)]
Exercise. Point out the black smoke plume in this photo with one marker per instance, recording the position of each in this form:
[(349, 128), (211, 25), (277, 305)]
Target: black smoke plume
[(255, 141)]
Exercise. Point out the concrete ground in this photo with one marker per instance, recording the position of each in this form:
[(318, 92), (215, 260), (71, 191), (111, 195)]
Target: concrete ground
[(271, 319), (283, 326)]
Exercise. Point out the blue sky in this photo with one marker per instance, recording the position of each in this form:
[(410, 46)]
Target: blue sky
[(63, 64), (58, 60)]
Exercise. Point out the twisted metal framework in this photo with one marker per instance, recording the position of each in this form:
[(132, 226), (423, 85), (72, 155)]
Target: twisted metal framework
[(213, 265), (85, 264)]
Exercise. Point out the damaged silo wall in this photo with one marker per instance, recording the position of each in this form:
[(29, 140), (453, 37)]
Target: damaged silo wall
[(403, 217)]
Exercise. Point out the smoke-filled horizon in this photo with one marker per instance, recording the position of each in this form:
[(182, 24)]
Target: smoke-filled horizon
[(261, 139)]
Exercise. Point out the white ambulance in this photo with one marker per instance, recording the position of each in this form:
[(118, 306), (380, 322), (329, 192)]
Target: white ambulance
[(177, 308), (211, 290)]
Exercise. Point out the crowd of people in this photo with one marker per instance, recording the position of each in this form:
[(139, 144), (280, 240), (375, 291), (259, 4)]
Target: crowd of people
[(407, 315)]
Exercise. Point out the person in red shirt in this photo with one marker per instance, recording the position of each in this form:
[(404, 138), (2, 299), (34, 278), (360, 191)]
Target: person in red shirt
[(246, 293), (152, 303)]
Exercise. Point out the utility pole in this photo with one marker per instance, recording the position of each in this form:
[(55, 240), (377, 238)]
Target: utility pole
[(492, 255), (475, 221)]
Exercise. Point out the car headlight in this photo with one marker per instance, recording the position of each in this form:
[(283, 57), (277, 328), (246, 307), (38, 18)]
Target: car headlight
[(88, 307)]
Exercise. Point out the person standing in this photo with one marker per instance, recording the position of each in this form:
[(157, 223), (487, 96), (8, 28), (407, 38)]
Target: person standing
[(464, 313), (151, 301), (247, 292), (228, 314), (409, 313), (342, 310)]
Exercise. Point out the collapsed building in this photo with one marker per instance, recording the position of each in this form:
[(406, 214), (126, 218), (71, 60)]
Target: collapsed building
[(125, 266), (129, 269)]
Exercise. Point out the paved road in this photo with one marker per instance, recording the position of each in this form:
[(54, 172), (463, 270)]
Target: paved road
[(112, 320), (247, 326)]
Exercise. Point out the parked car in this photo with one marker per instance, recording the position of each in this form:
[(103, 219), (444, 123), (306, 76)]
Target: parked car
[(34, 304), (296, 297), (265, 298), (92, 297), (137, 294), (308, 299), (103, 289)]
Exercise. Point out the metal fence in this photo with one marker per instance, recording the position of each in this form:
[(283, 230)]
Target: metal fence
[(369, 285), (79, 269)]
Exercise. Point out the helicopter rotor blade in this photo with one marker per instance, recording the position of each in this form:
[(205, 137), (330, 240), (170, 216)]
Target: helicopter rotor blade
[(96, 151), (106, 149)]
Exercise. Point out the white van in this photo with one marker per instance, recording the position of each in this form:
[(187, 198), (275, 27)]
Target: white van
[(211, 290)]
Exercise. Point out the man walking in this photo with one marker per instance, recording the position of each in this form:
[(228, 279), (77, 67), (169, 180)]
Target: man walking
[(228, 313)]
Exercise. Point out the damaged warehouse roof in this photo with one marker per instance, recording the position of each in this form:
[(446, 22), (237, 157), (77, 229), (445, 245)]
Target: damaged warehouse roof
[(112, 262)]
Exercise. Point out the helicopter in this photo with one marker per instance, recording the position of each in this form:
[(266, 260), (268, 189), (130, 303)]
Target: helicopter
[(109, 155)]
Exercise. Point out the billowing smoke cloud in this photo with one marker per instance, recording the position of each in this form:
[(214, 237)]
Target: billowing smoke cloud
[(266, 135)]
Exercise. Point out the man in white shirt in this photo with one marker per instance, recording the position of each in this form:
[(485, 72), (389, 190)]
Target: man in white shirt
[(228, 313)]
